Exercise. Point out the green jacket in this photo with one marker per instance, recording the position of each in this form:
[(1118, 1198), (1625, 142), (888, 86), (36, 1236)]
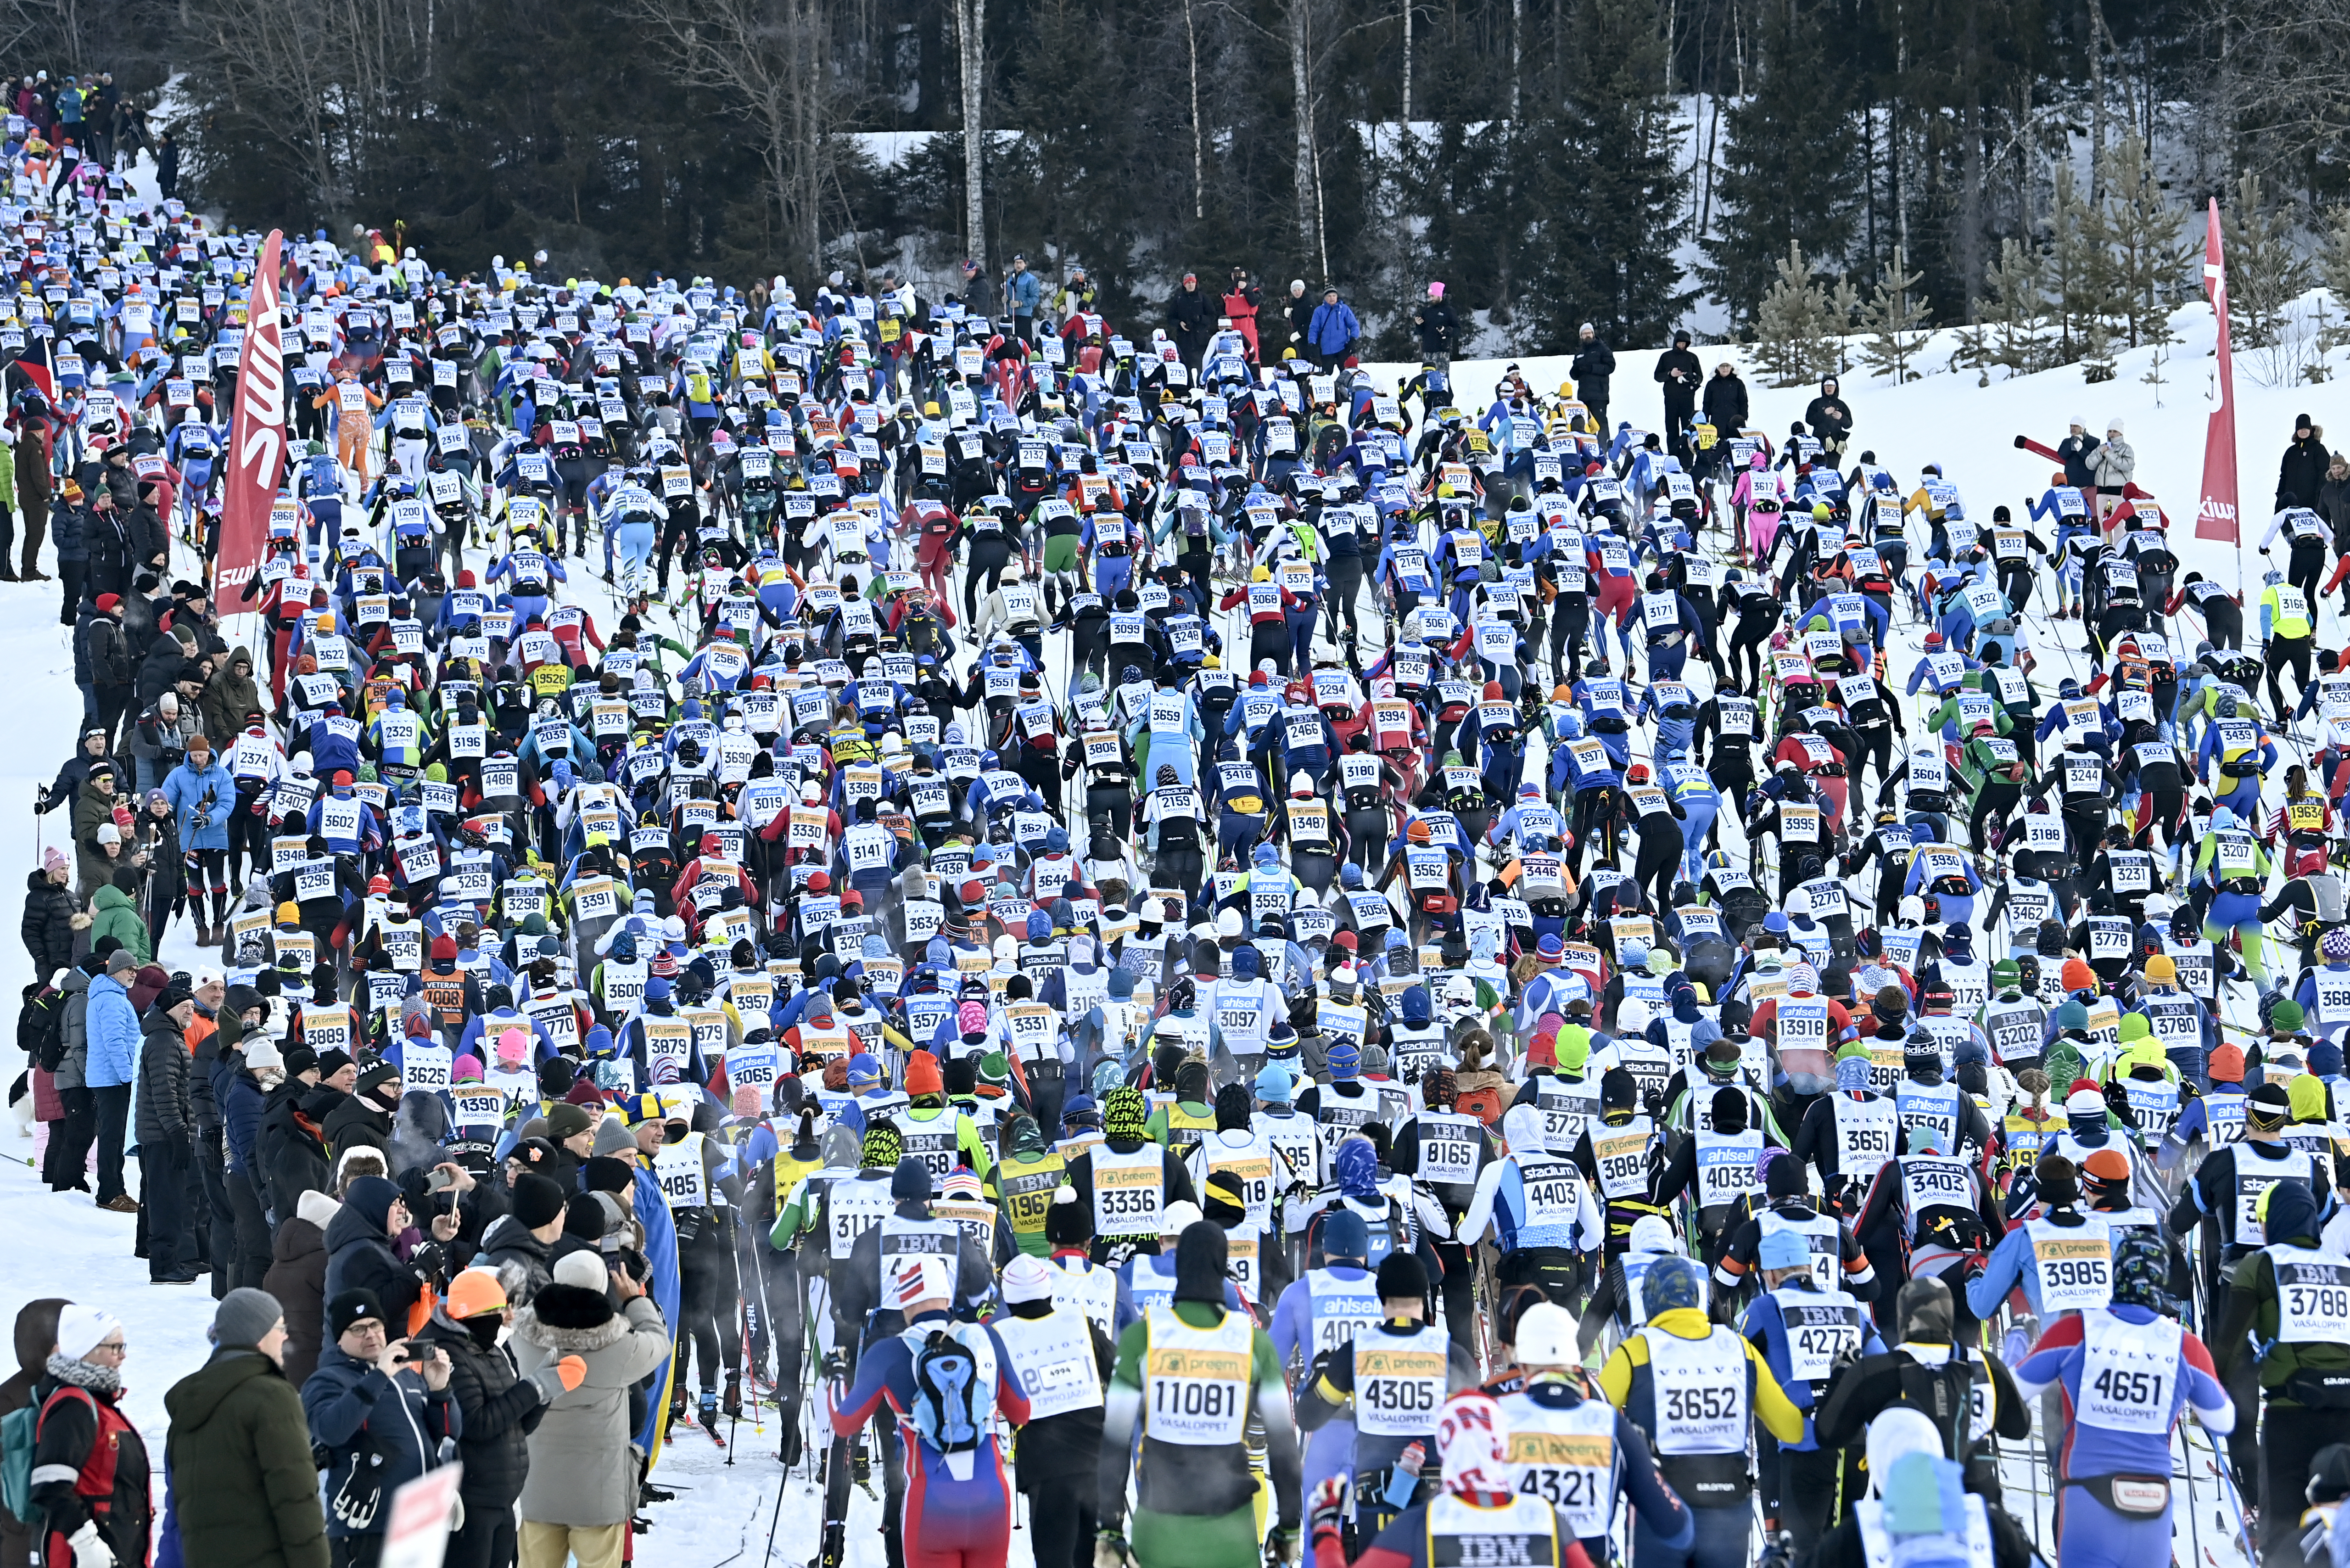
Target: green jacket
[(243, 1489), (2253, 1310), (115, 915)]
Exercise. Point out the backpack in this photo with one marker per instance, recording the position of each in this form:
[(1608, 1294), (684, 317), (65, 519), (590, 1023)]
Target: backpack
[(947, 1394), (1485, 1104), (20, 1433)]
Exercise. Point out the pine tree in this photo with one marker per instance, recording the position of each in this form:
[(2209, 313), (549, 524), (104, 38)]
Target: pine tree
[(1793, 325), (1613, 188), (2265, 273), (2013, 311), (1894, 320), (2147, 249), (2078, 275), (1791, 164), (1844, 308)]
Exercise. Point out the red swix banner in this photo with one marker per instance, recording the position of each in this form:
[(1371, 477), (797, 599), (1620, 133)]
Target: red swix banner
[(256, 443), (2215, 518)]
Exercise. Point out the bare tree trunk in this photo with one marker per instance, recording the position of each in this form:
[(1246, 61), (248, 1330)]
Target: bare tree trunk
[(1971, 177), (971, 28), (1517, 54), (1199, 142), (1301, 98), (2096, 101), (1406, 65), (1893, 132)]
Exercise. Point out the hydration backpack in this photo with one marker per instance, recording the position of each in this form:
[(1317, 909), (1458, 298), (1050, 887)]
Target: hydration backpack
[(947, 1394)]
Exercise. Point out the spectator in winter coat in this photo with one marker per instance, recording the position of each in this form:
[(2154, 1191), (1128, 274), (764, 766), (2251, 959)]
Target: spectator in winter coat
[(293, 1143), (364, 1118), (48, 924), (1678, 372), (516, 1246), (2075, 451), (1299, 308), (2302, 472), (1333, 330), (114, 912), (498, 1411), (229, 696), (98, 849), (582, 1486), (380, 1408), (2333, 502), (167, 1140), (36, 1336), (1190, 320), (360, 1255), (1725, 404), (1593, 364), (65, 1164), (2113, 464), (113, 677), (168, 658), (242, 1488), (66, 521), (1829, 417), (90, 1476), (111, 1025), (248, 1066), (1439, 328), (298, 1278)]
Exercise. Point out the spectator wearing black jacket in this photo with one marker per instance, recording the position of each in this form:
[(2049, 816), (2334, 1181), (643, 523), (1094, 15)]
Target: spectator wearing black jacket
[(2075, 450), (498, 1410), (74, 771), (1726, 408), (1830, 417), (1191, 321), (66, 520), (167, 1139), (112, 675), (1593, 364), (48, 924), (1679, 373), (2302, 472), (1439, 329), (1298, 306)]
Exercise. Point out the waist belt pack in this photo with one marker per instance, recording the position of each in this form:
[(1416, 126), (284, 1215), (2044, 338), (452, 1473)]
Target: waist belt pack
[(2137, 1496)]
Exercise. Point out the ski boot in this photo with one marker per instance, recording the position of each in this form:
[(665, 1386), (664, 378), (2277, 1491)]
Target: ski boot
[(733, 1402), (834, 1549)]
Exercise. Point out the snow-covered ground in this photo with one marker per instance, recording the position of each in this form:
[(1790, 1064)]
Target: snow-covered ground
[(723, 1513)]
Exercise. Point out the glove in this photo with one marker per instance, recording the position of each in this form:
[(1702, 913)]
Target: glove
[(1325, 1505), (559, 1378), (88, 1551), (1282, 1546), (183, 1145), (1109, 1550)]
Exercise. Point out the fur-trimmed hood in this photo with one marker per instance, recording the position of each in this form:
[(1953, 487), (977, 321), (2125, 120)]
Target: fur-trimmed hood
[(570, 1320)]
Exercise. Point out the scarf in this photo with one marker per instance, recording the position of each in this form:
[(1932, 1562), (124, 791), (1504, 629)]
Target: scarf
[(106, 1380)]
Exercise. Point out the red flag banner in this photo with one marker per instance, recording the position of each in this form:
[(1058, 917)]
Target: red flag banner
[(2214, 515), (257, 444)]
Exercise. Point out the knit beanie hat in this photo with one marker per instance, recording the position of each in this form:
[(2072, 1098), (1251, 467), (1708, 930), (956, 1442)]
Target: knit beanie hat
[(1124, 1114), (245, 1318), (883, 1145)]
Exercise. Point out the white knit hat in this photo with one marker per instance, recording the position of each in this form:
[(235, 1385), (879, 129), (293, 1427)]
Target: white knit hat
[(584, 1269), (81, 1328)]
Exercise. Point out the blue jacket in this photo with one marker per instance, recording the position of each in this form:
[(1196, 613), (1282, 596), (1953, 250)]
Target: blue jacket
[(359, 1416), (112, 1027), (240, 1097), (1022, 289), (208, 792), (1332, 327)]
